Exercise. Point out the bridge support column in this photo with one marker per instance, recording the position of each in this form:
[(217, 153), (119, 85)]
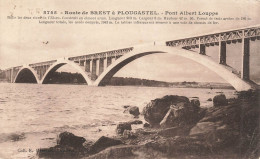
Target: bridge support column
[(113, 59), (245, 58), (222, 52), (97, 67), (101, 65), (109, 61), (40, 71), (12, 73), (41, 68), (81, 63), (90, 65), (105, 64), (202, 49), (87, 65), (94, 66)]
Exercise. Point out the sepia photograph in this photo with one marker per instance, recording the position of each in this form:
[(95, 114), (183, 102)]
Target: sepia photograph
[(151, 79)]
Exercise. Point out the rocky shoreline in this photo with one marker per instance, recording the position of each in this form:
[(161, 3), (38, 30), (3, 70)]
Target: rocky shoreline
[(175, 127)]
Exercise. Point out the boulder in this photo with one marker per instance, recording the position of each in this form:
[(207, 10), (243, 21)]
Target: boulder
[(210, 99), (181, 114), (134, 110), (103, 143), (146, 125), (59, 151), (205, 127), (155, 111), (121, 127), (128, 134), (195, 103), (69, 146), (220, 100), (69, 139)]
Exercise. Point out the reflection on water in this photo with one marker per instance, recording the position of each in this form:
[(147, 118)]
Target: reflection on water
[(32, 115)]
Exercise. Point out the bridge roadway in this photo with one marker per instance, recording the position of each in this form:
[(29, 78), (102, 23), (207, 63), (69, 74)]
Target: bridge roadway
[(98, 68)]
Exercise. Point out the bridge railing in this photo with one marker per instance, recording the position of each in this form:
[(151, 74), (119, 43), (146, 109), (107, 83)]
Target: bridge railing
[(214, 39)]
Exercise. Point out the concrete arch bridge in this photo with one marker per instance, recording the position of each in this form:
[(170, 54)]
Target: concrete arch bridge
[(98, 68)]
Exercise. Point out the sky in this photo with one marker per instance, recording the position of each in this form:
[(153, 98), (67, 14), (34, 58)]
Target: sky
[(21, 41)]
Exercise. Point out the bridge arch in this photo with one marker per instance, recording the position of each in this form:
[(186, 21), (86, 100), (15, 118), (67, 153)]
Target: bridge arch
[(144, 50), (60, 63), (29, 70)]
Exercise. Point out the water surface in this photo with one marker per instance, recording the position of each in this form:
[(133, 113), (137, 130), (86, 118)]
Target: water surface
[(33, 115)]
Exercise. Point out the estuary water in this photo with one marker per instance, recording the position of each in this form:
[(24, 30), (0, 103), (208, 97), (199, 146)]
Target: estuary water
[(31, 115)]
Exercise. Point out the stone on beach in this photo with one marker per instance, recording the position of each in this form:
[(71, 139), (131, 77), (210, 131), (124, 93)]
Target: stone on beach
[(121, 127), (68, 146), (155, 111), (103, 143), (134, 110), (181, 114), (69, 139), (220, 100)]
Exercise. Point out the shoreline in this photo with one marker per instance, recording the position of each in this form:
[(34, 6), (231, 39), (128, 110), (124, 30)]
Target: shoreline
[(189, 138)]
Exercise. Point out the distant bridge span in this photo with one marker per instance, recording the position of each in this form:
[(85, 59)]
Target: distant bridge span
[(98, 68)]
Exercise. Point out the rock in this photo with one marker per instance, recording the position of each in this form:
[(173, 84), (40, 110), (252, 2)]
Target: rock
[(126, 106), (205, 127), (134, 110), (135, 122), (167, 118), (69, 146), (59, 151), (146, 125), (155, 111), (69, 139), (209, 99), (120, 151), (220, 100), (121, 127), (103, 143), (195, 103), (129, 134), (182, 114), (174, 131)]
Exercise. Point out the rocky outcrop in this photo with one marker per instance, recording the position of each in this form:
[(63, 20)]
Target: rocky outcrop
[(155, 111), (220, 100), (69, 139), (68, 146), (227, 131), (103, 143), (121, 127), (181, 114), (71, 146)]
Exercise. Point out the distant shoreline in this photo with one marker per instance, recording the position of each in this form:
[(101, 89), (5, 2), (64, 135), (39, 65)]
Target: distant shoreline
[(126, 81)]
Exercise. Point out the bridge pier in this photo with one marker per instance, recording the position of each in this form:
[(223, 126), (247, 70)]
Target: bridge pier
[(94, 66), (245, 58), (97, 67), (202, 48), (105, 63), (87, 65), (222, 52), (113, 59), (109, 61), (90, 65), (101, 65)]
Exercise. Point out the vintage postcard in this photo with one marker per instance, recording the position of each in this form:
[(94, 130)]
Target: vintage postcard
[(129, 79)]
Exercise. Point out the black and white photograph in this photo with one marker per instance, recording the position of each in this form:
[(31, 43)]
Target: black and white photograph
[(129, 79)]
